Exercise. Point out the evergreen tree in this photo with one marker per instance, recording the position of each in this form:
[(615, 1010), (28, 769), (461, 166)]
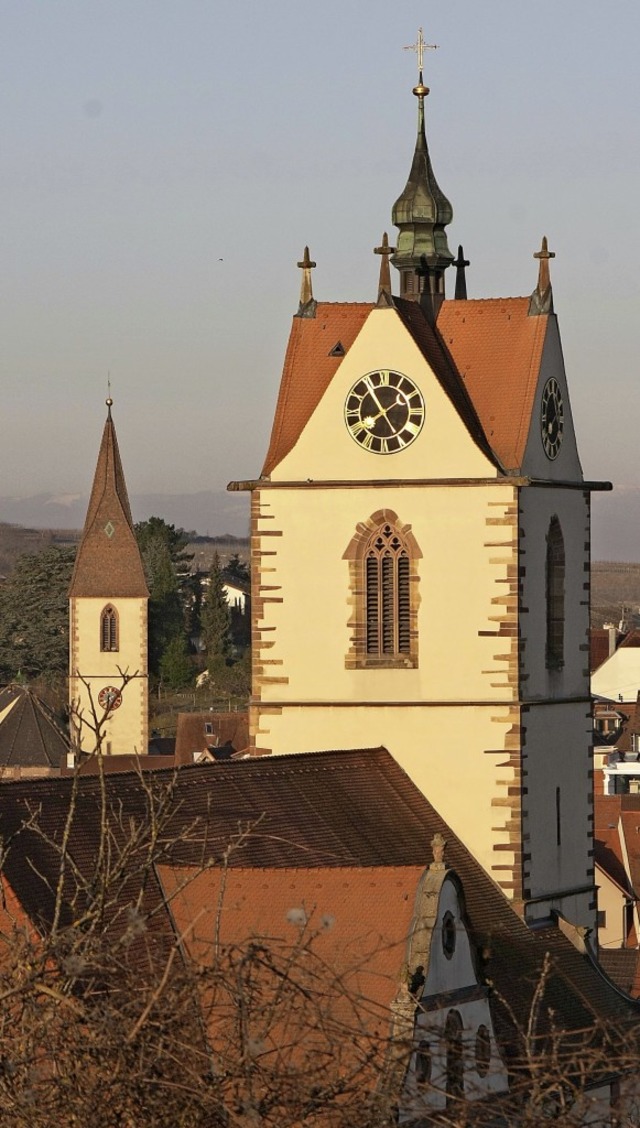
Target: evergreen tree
[(165, 561), (34, 615), (176, 670), (216, 622)]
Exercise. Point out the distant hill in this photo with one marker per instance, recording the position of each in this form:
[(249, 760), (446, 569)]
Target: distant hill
[(14, 540), (210, 512)]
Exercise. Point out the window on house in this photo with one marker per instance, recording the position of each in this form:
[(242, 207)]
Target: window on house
[(109, 629), (483, 1051), (602, 918), (555, 569), (383, 570)]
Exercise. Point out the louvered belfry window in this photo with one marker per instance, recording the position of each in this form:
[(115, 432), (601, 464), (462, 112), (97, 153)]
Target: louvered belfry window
[(388, 607), (555, 596), (109, 629)]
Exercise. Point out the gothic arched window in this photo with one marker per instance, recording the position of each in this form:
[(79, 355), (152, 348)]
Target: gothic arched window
[(109, 629), (555, 569), (383, 569), (455, 1058)]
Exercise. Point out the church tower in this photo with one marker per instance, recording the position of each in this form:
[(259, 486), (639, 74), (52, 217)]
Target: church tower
[(420, 551), (108, 684)]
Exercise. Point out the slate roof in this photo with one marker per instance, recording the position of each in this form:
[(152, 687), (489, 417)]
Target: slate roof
[(108, 562), (485, 353), (29, 735), (323, 811)]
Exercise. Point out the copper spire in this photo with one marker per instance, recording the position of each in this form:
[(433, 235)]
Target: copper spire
[(307, 306), (384, 283), (422, 212), (541, 300)]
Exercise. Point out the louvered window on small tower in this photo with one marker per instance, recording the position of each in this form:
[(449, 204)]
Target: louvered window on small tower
[(388, 610), (109, 629), (555, 569)]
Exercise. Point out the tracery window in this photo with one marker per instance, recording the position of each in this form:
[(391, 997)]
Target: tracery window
[(383, 571), (387, 594), (555, 570), (109, 629)]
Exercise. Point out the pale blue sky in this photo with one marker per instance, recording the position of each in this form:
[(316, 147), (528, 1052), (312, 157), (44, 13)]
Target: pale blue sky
[(145, 140)]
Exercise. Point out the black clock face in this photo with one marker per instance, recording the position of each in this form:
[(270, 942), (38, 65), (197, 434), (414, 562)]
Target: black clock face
[(551, 419), (384, 412)]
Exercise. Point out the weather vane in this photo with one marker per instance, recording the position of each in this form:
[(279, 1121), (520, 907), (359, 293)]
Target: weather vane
[(420, 47)]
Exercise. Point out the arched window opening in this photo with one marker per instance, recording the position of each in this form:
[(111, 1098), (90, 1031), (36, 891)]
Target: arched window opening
[(455, 1058), (109, 629), (383, 578), (423, 1064), (555, 570), (483, 1051), (388, 615)]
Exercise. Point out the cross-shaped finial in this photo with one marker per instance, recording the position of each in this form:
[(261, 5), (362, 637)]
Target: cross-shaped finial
[(384, 284), (420, 47), (543, 255), (306, 289)]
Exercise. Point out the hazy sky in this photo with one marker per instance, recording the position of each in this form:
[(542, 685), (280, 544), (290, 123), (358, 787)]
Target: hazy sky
[(165, 161)]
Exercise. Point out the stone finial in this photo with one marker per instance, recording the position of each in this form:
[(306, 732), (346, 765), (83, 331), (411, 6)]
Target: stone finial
[(438, 845), (541, 300), (384, 283), (461, 263), (307, 307)]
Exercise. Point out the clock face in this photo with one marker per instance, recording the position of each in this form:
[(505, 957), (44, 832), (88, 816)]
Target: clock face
[(551, 418), (109, 697), (384, 411)]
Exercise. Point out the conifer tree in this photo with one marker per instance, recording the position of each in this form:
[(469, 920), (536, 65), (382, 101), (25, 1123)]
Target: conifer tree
[(216, 620)]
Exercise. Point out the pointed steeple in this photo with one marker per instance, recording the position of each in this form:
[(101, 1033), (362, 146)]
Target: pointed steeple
[(108, 562), (384, 282), (421, 214), (307, 306), (541, 300)]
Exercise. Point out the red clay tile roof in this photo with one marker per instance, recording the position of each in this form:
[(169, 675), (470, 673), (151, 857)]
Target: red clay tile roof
[(486, 355), (108, 562), (630, 639), (309, 369), (226, 729), (329, 810), (497, 349), (598, 647)]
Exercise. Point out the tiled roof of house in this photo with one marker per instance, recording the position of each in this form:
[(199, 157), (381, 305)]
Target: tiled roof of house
[(29, 735), (226, 730), (324, 811), (598, 647), (108, 562), (632, 639), (480, 351)]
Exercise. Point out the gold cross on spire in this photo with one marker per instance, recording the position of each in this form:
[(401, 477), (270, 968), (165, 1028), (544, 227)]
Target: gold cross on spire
[(420, 47)]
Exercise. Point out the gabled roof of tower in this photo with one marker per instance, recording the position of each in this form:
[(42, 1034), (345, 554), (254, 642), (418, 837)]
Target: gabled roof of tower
[(497, 349), (29, 735), (108, 562), (310, 364), (486, 355)]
